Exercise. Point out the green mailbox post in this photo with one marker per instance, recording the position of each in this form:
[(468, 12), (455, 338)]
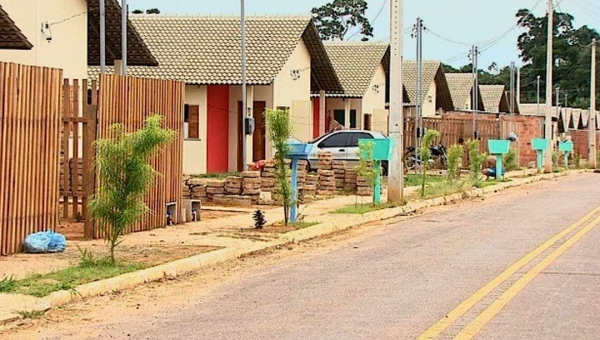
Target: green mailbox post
[(499, 148), (566, 147), (382, 151), (540, 145)]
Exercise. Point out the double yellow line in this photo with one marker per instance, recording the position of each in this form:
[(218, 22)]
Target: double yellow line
[(486, 316)]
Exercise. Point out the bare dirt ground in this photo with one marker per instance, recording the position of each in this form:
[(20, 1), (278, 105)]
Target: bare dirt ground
[(151, 299)]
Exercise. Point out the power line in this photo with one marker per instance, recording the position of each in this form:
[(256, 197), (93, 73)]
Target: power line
[(374, 19), (67, 19)]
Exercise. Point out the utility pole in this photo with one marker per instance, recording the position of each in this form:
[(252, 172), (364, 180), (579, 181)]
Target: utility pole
[(592, 122), (557, 101), (518, 86), (512, 95), (419, 97), (538, 95), (475, 96), (244, 85), (566, 100), (124, 10), (396, 115), (102, 37), (549, 66)]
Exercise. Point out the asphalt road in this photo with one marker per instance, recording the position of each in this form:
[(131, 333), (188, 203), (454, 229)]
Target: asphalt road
[(399, 283)]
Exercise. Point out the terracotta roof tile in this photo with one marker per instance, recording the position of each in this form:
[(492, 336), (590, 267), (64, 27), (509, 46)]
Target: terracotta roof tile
[(495, 99), (355, 64), (207, 49), (11, 36)]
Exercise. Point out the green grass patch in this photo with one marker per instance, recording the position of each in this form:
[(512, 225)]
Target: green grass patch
[(34, 314), (433, 190), (359, 209), (491, 182), (412, 180), (89, 270), (8, 285)]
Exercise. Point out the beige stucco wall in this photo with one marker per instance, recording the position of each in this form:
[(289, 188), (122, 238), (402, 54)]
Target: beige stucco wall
[(429, 109), (295, 93), (340, 104), (194, 151), (373, 102), (67, 49)]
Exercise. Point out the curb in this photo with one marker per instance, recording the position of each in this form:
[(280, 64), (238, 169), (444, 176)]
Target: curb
[(173, 269)]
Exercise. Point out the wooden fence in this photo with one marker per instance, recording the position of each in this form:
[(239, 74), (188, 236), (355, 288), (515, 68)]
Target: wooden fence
[(29, 152), (129, 101), (77, 182), (451, 130)]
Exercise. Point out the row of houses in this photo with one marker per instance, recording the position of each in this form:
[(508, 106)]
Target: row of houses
[(323, 85)]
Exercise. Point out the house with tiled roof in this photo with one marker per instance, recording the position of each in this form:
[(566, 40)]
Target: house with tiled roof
[(462, 90), (495, 99), (435, 97), (286, 62), (361, 68), (65, 34)]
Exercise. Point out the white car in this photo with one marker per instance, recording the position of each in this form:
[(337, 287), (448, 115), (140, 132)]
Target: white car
[(343, 145)]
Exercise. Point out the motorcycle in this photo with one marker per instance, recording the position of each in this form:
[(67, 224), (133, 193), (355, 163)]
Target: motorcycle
[(438, 154)]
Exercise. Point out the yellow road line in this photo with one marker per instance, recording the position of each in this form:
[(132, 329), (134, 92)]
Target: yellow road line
[(487, 315), (437, 329)]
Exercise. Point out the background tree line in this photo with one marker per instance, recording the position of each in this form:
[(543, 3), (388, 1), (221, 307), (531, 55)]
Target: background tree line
[(572, 60)]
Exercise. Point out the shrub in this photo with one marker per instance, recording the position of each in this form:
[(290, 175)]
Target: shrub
[(510, 160), (455, 154), (425, 152), (280, 131), (365, 166), (476, 159), (125, 176)]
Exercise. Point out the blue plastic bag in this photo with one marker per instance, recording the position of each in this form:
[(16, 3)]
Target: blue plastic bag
[(45, 242)]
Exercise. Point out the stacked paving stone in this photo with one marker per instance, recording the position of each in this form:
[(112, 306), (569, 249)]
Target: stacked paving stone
[(251, 184), (233, 185), (268, 176), (326, 183), (325, 160), (362, 187), (339, 168), (214, 187), (311, 185), (350, 178)]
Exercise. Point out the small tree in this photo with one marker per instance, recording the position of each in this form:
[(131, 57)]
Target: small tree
[(476, 159), (510, 160), (280, 131), (365, 166), (425, 153), (455, 154), (125, 176)]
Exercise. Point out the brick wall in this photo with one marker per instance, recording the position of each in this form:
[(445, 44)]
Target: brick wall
[(580, 142), (526, 128)]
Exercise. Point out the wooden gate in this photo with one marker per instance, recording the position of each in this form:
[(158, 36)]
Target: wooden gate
[(29, 152), (78, 133)]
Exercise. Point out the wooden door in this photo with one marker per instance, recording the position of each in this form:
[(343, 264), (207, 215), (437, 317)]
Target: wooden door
[(259, 139), (259, 136)]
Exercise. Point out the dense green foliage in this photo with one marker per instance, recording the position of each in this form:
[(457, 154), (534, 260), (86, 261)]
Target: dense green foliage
[(334, 20), (455, 154), (572, 60)]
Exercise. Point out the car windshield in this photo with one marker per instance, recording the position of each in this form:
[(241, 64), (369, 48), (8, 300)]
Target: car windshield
[(316, 139)]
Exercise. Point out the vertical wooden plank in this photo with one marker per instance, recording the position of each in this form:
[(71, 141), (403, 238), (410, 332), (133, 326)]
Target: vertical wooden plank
[(3, 151), (75, 147), (66, 113)]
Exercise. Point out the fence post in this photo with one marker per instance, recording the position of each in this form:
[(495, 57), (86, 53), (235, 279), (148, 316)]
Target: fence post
[(89, 171)]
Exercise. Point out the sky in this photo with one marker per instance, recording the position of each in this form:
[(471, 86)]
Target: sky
[(463, 21)]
